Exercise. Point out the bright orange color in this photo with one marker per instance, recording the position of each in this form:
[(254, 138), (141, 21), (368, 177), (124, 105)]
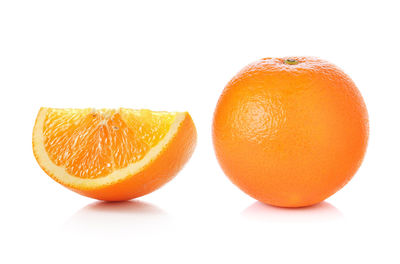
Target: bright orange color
[(290, 132), (109, 154)]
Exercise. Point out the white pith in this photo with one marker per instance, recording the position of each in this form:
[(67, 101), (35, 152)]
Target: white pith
[(61, 175)]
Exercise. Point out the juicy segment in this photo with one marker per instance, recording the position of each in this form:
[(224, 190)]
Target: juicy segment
[(90, 144)]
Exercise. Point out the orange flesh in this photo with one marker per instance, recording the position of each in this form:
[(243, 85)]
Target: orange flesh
[(93, 143)]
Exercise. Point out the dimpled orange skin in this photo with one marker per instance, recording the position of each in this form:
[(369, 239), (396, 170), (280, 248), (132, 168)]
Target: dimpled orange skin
[(289, 134)]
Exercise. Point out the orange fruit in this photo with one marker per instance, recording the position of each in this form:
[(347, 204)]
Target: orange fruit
[(290, 132), (112, 154)]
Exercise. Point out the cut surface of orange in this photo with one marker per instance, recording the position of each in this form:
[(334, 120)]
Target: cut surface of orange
[(112, 154)]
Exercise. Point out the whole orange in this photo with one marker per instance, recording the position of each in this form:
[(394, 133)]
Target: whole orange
[(290, 132)]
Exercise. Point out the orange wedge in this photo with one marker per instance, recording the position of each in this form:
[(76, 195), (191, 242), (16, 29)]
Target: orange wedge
[(112, 154)]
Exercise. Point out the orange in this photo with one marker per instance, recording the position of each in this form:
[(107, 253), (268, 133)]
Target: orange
[(290, 132), (112, 154)]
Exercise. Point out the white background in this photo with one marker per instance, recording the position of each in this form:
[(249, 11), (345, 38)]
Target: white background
[(177, 56)]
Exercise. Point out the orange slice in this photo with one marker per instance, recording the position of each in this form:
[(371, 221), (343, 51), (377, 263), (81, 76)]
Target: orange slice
[(112, 154)]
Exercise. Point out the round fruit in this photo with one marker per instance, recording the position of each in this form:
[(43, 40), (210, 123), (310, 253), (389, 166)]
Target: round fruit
[(290, 132), (109, 154)]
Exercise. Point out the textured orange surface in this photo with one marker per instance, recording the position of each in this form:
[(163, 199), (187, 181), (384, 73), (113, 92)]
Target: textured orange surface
[(290, 134), (92, 144)]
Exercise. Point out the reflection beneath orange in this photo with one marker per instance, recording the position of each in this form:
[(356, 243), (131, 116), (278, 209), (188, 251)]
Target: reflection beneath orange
[(118, 219), (126, 207), (317, 213)]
